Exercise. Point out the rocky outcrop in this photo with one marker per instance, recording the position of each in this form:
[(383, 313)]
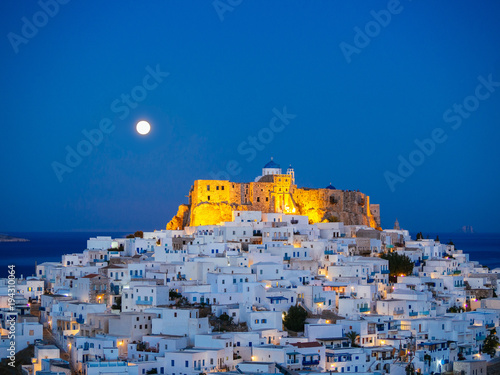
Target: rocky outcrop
[(181, 219)]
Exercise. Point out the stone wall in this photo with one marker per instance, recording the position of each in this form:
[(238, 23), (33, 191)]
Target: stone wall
[(212, 202)]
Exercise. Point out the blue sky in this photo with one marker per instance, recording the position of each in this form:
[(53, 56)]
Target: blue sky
[(220, 78)]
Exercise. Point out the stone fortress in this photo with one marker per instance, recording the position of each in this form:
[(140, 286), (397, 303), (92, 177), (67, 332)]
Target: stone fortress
[(212, 202)]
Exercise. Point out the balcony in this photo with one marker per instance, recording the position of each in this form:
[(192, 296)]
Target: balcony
[(398, 312), (480, 337), (373, 273), (142, 302), (489, 325), (329, 252), (425, 313), (319, 299), (310, 362), (279, 238), (80, 320), (413, 313), (41, 308), (364, 309), (385, 272), (369, 280), (286, 257), (425, 257), (292, 361)]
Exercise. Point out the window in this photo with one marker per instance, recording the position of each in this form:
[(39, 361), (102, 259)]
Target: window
[(217, 187), (208, 197), (172, 363), (187, 363), (208, 187), (258, 199), (264, 321)]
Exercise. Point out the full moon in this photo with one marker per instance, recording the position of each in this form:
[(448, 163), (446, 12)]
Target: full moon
[(143, 127)]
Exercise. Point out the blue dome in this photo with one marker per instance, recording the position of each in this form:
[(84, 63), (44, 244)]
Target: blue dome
[(331, 187), (271, 164)]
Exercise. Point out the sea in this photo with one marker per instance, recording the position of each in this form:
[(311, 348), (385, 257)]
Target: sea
[(43, 247), (50, 246)]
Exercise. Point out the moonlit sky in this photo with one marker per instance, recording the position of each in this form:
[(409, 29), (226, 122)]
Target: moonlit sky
[(225, 77)]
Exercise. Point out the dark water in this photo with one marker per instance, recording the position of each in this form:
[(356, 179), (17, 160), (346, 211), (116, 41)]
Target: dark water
[(482, 247), (49, 246), (42, 247)]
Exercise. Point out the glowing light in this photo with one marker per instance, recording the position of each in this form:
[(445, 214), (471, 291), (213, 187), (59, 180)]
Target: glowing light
[(143, 127)]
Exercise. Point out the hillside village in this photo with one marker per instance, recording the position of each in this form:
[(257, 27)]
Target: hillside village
[(265, 292)]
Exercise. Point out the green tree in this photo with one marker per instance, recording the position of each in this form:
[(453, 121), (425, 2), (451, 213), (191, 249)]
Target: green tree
[(138, 233), (491, 344), (398, 265), (226, 318), (427, 359), (172, 294), (456, 309), (352, 336), (295, 318)]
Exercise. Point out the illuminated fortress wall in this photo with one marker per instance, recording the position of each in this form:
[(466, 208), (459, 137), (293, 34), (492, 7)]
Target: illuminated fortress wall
[(212, 202)]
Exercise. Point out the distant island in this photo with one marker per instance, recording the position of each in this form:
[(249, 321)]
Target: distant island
[(6, 238)]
